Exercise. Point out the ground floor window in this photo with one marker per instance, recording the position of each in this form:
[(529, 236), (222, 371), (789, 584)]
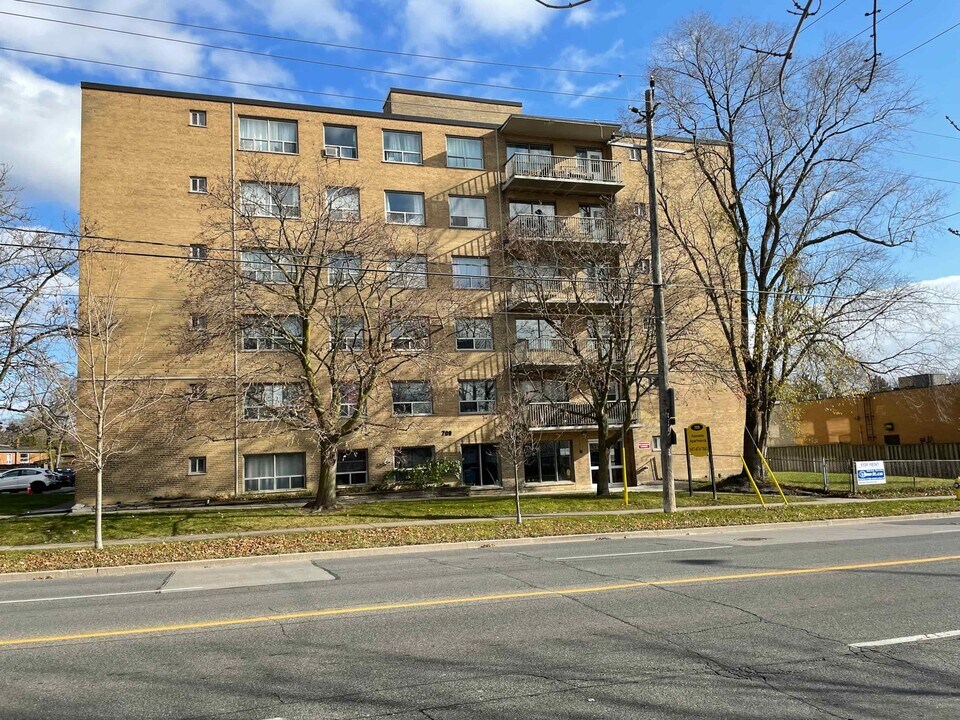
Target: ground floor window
[(407, 458), (616, 462), (549, 461), (352, 467), (481, 464), (276, 471)]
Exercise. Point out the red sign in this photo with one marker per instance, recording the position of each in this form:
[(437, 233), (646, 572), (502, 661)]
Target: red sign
[(643, 446)]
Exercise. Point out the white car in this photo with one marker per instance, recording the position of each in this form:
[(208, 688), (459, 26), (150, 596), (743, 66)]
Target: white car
[(36, 479)]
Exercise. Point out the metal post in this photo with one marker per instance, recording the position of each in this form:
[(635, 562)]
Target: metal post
[(659, 311), (826, 477), (686, 447), (713, 474)]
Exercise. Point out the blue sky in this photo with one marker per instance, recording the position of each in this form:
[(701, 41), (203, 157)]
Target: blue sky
[(39, 112)]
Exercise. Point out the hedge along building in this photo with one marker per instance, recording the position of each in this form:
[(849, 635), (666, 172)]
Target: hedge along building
[(452, 179)]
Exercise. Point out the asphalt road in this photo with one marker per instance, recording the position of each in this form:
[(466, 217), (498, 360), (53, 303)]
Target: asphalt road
[(739, 623)]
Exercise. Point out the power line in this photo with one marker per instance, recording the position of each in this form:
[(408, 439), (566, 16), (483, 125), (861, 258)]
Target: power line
[(318, 43), (323, 63)]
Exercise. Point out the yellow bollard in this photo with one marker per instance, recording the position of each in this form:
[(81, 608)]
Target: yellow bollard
[(956, 489), (770, 470), (752, 483)]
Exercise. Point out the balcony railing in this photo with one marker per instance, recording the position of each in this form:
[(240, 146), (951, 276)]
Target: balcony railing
[(561, 228), (558, 351), (536, 292), (572, 416), (576, 173)]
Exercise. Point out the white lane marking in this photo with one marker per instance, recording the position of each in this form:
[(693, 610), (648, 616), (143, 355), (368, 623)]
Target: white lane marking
[(100, 595), (645, 552), (908, 639)]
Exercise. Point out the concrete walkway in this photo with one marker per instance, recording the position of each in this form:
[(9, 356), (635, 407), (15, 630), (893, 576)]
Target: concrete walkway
[(453, 521)]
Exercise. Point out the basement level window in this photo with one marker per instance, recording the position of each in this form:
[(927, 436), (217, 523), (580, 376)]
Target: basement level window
[(198, 118), (198, 466)]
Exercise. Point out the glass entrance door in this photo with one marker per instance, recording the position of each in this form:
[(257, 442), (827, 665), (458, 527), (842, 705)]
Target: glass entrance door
[(616, 462), (481, 464)]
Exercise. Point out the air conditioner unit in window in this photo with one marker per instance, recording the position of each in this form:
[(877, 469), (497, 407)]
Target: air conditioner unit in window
[(459, 221), (331, 152)]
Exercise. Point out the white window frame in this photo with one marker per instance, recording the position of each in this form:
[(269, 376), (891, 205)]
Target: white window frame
[(417, 407), (347, 333), (198, 252), (337, 150), (403, 339), (266, 268), (406, 157), (475, 406), (335, 196), (636, 153), (198, 323), (198, 118), (267, 205), (275, 396), (471, 221), (470, 281), (264, 333), (408, 271), (198, 184), (464, 159), (348, 478), (347, 408), (344, 269), (296, 482), (403, 217), (477, 343), (197, 465), (287, 147)]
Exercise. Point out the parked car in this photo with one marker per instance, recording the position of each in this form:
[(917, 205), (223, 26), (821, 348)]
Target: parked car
[(68, 476), (36, 479)]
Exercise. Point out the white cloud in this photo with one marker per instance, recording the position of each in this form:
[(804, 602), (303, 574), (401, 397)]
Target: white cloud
[(41, 134), (432, 24), (309, 18), (590, 15)]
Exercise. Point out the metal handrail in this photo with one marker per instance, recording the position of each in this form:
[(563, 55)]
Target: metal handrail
[(560, 167), (561, 227), (543, 415)]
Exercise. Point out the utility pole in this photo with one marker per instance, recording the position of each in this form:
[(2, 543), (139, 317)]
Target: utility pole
[(665, 392)]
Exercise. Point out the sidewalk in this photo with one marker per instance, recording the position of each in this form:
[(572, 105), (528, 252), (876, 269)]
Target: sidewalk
[(453, 521)]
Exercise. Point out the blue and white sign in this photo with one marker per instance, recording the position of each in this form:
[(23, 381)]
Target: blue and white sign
[(871, 472)]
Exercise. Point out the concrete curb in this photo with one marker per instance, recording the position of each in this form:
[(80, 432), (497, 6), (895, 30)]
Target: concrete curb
[(434, 547)]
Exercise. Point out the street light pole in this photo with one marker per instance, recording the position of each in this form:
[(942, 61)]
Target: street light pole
[(665, 392)]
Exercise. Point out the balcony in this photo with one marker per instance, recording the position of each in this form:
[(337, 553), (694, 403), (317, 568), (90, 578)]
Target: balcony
[(556, 352), (561, 228), (573, 416), (556, 173), (536, 294)]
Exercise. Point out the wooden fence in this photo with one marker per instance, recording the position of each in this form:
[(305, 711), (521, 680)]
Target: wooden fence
[(930, 460)]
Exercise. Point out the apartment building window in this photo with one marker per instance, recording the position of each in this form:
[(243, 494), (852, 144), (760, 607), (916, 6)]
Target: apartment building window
[(402, 147), (537, 334), (343, 268), (549, 461), (352, 467), (480, 464), (471, 273), (407, 458), (198, 253), (264, 401), (340, 141), (343, 203), (477, 396), (266, 267), (278, 136), (528, 159), (514, 148), (474, 333), (346, 333), (197, 391), (404, 208), (464, 152), (640, 210), (412, 397), (636, 154), (271, 333), (411, 334), (278, 200), (277, 471), (198, 118), (468, 212), (409, 271), (198, 184), (198, 323), (545, 391), (348, 399), (197, 466)]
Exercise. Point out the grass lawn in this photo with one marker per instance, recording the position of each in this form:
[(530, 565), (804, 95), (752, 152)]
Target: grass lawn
[(58, 529), (840, 484), (15, 503), (53, 559)]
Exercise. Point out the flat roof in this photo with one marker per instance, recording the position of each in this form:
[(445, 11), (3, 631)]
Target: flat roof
[(448, 96), (283, 105), (562, 128)]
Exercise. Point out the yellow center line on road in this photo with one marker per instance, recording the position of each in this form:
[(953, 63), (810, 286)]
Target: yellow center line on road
[(360, 609)]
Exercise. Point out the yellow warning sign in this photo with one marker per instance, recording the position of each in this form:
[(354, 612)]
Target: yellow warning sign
[(698, 443)]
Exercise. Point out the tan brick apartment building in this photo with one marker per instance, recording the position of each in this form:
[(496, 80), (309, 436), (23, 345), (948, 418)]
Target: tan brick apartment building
[(439, 161)]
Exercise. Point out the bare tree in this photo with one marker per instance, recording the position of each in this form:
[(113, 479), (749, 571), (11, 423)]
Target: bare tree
[(585, 297), (515, 440), (789, 228), (342, 304), (35, 274), (51, 418)]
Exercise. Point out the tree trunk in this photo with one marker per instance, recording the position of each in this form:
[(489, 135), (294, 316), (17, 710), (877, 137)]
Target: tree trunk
[(327, 484), (752, 426), (98, 512), (516, 490), (603, 471)]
